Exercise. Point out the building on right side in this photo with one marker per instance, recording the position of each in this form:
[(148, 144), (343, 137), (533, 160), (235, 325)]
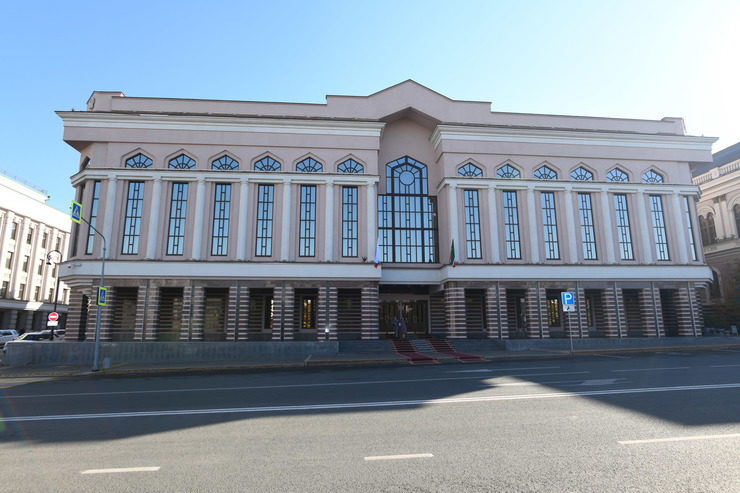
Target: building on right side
[(719, 222)]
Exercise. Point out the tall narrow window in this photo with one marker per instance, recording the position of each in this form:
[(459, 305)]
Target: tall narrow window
[(550, 225), (349, 221), (736, 212), (511, 226), (307, 224), (93, 219), (44, 240), (220, 238), (178, 213), (687, 212), (472, 224), (588, 238), (623, 227), (659, 233), (132, 222), (265, 196), (711, 229), (13, 230)]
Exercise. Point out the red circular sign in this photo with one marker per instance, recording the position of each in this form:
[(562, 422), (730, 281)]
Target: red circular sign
[(53, 317)]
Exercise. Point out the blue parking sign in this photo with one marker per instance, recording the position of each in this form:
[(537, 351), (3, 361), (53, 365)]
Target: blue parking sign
[(76, 213), (568, 300)]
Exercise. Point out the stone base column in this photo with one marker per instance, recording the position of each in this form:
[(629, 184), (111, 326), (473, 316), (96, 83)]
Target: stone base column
[(106, 313), (609, 304), (142, 307), (536, 311), (151, 315), (13, 319), (193, 298), (455, 307), (283, 306), (370, 307), (321, 313), (496, 316), (649, 307), (241, 302)]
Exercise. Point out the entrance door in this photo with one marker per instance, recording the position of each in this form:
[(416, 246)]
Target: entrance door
[(414, 311)]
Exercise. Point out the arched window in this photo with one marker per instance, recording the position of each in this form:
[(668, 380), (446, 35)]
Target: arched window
[(704, 229), (470, 170), (581, 174), (139, 161), (736, 210), (545, 173), (309, 165), (225, 163), (712, 232), (617, 175), (267, 164), (181, 162), (509, 172), (651, 176), (350, 166), (407, 216)]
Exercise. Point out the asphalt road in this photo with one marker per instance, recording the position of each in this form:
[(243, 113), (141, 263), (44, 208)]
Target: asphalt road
[(638, 422)]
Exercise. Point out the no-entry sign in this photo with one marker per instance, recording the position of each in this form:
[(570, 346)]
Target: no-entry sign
[(53, 317)]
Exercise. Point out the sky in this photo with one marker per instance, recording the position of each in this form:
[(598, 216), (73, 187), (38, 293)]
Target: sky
[(632, 59)]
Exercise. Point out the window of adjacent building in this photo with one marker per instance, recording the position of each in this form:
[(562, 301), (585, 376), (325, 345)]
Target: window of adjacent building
[(736, 212), (4, 290), (13, 230), (472, 224), (26, 259), (507, 171), (623, 227), (265, 197), (59, 243), (54, 271), (708, 232), (550, 225), (29, 236), (687, 213), (40, 270), (44, 240), (225, 163), (350, 166), (93, 218), (651, 176), (182, 161), (470, 170), (65, 297), (659, 231), (307, 222), (21, 291), (267, 164), (545, 173), (349, 221), (132, 220), (617, 175), (221, 206), (178, 212), (76, 227), (581, 174), (9, 260), (407, 223), (309, 165), (37, 293), (511, 226), (51, 295), (139, 161), (588, 237)]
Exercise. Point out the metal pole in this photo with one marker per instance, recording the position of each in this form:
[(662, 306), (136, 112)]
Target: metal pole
[(56, 291), (655, 310), (570, 331), (96, 357), (616, 310), (691, 306)]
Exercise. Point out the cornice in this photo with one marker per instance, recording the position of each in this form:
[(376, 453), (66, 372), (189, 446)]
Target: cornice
[(84, 119), (570, 137)]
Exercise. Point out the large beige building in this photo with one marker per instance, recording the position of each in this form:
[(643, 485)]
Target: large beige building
[(229, 220), (30, 231)]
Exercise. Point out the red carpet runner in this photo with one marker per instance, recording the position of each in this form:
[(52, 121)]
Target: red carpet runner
[(406, 348), (444, 347)]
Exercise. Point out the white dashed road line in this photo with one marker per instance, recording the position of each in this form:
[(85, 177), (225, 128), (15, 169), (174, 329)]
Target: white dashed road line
[(655, 369), (679, 439), (120, 469), (398, 457)]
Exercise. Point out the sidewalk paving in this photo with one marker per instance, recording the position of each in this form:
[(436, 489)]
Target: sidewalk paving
[(359, 359)]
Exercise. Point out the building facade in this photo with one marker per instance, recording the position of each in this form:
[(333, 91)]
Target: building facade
[(244, 221), (34, 238), (719, 221)]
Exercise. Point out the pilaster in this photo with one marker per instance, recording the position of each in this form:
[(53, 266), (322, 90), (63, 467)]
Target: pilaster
[(370, 302)]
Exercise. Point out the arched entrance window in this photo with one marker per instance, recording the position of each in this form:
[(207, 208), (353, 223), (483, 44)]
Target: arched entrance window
[(407, 216), (736, 210), (711, 229)]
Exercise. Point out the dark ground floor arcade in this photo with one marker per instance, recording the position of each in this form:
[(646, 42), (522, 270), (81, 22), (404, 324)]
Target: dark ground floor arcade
[(245, 310)]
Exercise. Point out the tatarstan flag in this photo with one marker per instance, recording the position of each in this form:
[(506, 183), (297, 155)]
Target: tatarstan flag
[(453, 262)]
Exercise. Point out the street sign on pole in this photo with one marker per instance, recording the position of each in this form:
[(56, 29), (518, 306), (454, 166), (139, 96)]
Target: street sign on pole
[(76, 212), (568, 299), (53, 317), (102, 293)]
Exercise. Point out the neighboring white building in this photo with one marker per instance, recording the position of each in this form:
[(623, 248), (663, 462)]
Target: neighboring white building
[(29, 231), (237, 220)]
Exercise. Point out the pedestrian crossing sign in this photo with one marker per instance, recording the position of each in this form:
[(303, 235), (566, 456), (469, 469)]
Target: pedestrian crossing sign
[(76, 212), (102, 295)]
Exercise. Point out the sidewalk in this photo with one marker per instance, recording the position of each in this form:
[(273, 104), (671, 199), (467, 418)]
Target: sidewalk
[(346, 359)]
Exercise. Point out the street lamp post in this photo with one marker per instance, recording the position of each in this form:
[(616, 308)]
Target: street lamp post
[(56, 290)]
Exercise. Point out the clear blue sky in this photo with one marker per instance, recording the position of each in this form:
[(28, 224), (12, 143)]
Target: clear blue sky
[(635, 59)]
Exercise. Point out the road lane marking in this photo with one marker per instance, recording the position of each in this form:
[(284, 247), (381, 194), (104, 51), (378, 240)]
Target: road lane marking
[(507, 369), (286, 386), (613, 356), (120, 469), (601, 381), (655, 369), (724, 366), (679, 439), (363, 405), (398, 457)]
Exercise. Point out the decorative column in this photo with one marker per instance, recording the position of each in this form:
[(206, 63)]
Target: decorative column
[(142, 311), (285, 239), (233, 311), (244, 211), (282, 314), (15, 268), (327, 299), (607, 230), (370, 321), (109, 214), (453, 220), (329, 224), (5, 227), (682, 229), (455, 307), (651, 312), (493, 224), (496, 315), (532, 220), (154, 213), (536, 310), (572, 240), (199, 212), (645, 227), (242, 314), (371, 215)]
